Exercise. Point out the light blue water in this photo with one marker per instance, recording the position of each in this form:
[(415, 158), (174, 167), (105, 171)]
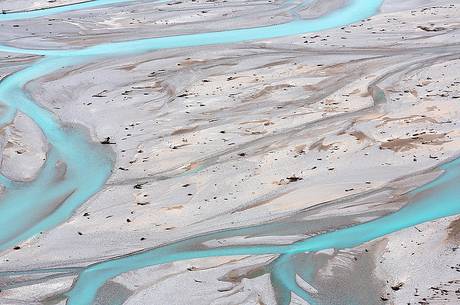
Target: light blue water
[(437, 199), (28, 208), (88, 168), (51, 197), (355, 10)]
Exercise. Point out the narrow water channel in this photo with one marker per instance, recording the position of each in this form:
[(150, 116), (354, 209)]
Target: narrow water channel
[(87, 165)]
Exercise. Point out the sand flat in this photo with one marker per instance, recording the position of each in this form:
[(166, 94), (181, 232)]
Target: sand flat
[(311, 133)]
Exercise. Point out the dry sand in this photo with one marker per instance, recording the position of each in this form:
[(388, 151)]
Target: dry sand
[(215, 137)]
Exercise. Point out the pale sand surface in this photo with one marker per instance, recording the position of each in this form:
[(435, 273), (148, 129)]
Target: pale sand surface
[(29, 5), (210, 138), (24, 149), (121, 21), (430, 266)]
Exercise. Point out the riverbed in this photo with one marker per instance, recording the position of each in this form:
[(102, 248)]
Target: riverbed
[(285, 153)]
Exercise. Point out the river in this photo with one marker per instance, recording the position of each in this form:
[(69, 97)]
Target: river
[(88, 165)]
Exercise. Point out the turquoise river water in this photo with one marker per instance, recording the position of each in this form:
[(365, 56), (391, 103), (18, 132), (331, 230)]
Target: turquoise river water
[(76, 168)]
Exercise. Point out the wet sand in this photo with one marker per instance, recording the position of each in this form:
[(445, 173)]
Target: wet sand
[(332, 128)]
